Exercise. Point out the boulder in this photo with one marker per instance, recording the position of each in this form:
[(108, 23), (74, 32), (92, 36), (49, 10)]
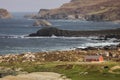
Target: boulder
[(4, 14), (113, 36), (95, 17), (42, 23)]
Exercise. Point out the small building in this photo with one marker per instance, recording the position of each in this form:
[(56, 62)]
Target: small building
[(93, 58)]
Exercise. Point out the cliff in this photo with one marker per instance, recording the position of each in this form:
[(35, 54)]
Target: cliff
[(4, 14), (95, 10)]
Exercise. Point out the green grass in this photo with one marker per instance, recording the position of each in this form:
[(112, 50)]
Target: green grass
[(70, 69)]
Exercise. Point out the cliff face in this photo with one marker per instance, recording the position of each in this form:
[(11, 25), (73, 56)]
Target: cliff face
[(4, 14), (95, 10)]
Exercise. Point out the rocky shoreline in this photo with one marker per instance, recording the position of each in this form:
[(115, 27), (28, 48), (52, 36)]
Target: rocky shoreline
[(69, 55), (102, 34), (109, 53)]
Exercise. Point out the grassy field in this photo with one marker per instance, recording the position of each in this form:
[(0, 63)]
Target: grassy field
[(73, 70)]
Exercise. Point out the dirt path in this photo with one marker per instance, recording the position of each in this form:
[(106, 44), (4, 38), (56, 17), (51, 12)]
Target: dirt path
[(36, 76), (114, 68)]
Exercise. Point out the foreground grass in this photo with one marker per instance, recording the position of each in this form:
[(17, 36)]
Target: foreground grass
[(73, 70)]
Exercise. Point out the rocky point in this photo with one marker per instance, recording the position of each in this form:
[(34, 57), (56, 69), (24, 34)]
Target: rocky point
[(4, 14)]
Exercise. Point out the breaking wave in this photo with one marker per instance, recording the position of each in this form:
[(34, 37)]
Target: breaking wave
[(53, 36), (11, 36), (98, 44)]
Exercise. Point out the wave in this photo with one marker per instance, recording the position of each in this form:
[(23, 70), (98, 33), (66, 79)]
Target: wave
[(30, 19), (87, 39), (98, 44), (12, 36), (63, 20), (53, 36), (61, 37)]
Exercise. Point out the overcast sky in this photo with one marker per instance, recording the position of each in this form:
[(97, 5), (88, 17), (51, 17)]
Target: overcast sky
[(30, 5)]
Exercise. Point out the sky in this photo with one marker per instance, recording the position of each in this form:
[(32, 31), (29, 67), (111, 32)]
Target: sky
[(30, 5)]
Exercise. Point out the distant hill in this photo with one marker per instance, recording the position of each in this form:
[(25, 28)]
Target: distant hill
[(4, 14), (93, 10)]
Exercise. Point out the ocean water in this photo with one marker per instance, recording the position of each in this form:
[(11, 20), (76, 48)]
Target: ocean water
[(13, 32)]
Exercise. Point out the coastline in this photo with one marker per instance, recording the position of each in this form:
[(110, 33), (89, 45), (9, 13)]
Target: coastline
[(64, 55), (78, 40), (50, 61), (33, 63)]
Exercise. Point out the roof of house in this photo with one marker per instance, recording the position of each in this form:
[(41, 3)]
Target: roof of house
[(92, 57)]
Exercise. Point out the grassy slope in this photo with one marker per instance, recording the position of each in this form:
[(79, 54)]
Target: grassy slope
[(73, 70)]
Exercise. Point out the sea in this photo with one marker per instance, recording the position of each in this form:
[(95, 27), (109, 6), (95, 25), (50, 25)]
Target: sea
[(13, 32)]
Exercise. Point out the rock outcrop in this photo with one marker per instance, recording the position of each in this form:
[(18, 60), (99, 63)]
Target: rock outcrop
[(30, 16), (93, 10), (115, 33), (4, 14), (42, 23)]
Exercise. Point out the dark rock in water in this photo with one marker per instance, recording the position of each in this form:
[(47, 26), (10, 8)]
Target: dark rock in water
[(118, 45), (4, 14), (113, 36), (42, 23), (49, 31), (112, 47), (100, 38), (91, 48), (117, 40), (33, 34), (109, 36)]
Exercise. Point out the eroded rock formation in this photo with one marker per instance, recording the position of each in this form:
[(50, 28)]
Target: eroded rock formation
[(4, 14)]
